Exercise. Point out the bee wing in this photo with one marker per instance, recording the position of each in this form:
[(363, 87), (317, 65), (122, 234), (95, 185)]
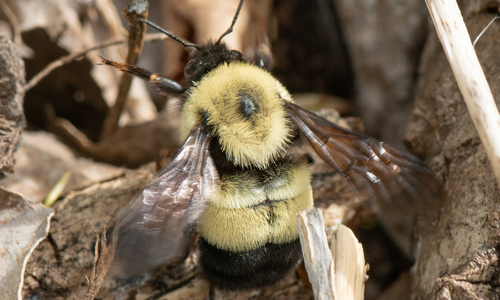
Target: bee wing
[(157, 224), (376, 170)]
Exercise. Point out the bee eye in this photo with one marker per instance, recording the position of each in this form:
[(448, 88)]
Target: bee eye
[(247, 105), (236, 55), (193, 67)]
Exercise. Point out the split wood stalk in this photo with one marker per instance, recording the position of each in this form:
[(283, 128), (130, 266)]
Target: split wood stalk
[(339, 273), (471, 80)]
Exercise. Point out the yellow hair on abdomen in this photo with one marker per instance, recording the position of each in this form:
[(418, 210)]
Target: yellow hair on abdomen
[(238, 191), (247, 140), (245, 229), (243, 189), (284, 229), (290, 181)]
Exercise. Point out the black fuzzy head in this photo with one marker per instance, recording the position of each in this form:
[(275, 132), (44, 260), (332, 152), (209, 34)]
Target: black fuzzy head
[(207, 57)]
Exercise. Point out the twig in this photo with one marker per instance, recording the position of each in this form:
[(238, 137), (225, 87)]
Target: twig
[(69, 58), (63, 61), (484, 30), (16, 29), (67, 131), (104, 253), (457, 45), (137, 32), (111, 19)]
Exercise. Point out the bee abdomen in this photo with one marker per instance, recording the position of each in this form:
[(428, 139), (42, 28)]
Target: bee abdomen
[(249, 225), (246, 270)]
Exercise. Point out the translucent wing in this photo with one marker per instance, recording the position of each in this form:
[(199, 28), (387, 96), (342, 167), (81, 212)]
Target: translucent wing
[(377, 171), (157, 224)]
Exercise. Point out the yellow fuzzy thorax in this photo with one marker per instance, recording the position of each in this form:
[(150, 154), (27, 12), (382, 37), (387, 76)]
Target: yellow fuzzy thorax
[(247, 140)]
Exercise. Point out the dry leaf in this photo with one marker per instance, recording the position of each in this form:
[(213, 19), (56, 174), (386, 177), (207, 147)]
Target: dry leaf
[(22, 226)]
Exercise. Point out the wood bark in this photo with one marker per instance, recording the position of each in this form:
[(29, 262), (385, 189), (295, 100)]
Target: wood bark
[(11, 103)]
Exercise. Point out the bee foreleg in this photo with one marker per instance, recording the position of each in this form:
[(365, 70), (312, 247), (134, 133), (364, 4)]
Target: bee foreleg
[(162, 83)]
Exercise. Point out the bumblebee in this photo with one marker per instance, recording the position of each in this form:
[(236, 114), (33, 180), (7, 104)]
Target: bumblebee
[(236, 182)]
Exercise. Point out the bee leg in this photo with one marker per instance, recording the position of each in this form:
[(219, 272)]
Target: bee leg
[(165, 85), (263, 57), (162, 83)]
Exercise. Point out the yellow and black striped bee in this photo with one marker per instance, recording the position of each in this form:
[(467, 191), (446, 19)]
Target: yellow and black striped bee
[(236, 182)]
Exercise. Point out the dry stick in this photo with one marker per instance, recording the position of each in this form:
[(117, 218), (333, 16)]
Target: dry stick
[(317, 256), (69, 58), (103, 257), (111, 18), (484, 30), (457, 45), (339, 273), (16, 29), (67, 131), (137, 31), (63, 61)]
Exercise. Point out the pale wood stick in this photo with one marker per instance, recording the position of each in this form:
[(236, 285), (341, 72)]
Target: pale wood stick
[(341, 277), (457, 45), (350, 267), (317, 256)]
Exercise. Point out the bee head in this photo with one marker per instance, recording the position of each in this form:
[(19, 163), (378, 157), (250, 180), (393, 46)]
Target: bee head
[(207, 58), (242, 106), (212, 54)]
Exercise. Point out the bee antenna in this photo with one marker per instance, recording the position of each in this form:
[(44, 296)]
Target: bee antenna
[(170, 35), (230, 29)]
